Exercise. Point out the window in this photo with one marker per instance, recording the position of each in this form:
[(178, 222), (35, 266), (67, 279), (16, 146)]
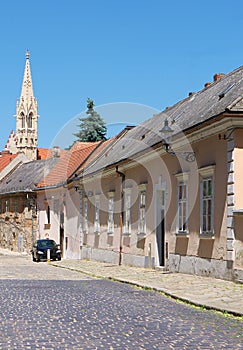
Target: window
[(97, 215), (182, 207), (207, 207), (22, 118), (110, 224), (85, 221), (29, 120), (207, 200), (16, 208), (48, 214), (142, 210), (47, 225), (127, 212), (182, 203)]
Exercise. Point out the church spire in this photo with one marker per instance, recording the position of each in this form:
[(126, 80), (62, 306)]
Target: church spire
[(27, 115), (27, 88)]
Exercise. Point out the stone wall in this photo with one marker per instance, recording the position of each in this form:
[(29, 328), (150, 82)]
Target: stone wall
[(17, 226)]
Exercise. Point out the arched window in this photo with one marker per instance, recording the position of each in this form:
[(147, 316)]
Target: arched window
[(29, 120), (22, 120)]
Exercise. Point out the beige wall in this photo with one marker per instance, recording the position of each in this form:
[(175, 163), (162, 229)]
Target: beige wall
[(238, 169), (209, 152)]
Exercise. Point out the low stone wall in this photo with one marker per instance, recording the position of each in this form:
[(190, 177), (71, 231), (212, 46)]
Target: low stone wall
[(200, 266), (112, 257)]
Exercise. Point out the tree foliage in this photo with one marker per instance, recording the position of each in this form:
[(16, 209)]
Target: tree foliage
[(93, 127)]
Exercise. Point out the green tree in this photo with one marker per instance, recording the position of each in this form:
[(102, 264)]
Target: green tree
[(93, 127)]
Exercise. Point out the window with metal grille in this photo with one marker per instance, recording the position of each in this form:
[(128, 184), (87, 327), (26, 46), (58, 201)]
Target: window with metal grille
[(182, 207), (110, 223), (207, 205)]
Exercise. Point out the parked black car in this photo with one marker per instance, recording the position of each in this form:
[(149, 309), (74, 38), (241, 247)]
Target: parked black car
[(39, 251)]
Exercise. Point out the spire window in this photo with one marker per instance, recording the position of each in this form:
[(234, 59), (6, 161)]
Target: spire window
[(22, 120), (29, 120)]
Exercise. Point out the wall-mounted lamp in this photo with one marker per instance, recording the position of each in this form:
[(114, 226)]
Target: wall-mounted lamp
[(167, 132)]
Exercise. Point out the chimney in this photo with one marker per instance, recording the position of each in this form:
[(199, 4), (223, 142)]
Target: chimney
[(207, 84), (5, 151), (217, 76), (56, 152)]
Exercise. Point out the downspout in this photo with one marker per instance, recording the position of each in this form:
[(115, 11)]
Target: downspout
[(122, 175)]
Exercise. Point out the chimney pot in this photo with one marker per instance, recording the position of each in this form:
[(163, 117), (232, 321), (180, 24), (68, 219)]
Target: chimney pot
[(56, 152), (217, 76), (207, 84)]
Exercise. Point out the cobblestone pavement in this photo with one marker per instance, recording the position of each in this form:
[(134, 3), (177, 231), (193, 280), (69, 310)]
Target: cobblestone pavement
[(44, 307), (209, 292)]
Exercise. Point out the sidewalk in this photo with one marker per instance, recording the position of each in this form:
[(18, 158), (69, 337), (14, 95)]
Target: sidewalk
[(208, 292), (9, 252)]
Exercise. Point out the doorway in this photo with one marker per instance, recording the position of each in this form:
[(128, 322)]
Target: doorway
[(160, 226), (61, 233)]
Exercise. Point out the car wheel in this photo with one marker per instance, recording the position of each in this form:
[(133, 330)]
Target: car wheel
[(59, 259)]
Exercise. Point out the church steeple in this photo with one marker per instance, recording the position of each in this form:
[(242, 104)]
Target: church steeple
[(27, 116), (27, 88)]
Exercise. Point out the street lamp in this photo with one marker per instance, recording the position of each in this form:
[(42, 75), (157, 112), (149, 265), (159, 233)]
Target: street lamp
[(167, 132)]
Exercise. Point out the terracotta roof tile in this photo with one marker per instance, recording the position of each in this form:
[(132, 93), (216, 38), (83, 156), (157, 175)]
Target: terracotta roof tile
[(68, 163), (46, 153), (81, 145), (5, 159)]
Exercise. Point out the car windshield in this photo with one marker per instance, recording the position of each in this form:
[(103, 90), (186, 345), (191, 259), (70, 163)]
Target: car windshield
[(46, 243)]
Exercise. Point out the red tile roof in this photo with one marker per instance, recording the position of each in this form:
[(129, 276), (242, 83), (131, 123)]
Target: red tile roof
[(43, 153), (46, 153), (102, 147), (5, 159), (68, 163), (81, 145)]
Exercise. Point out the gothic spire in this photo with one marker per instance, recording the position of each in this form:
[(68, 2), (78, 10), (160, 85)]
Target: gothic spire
[(27, 88), (27, 116)]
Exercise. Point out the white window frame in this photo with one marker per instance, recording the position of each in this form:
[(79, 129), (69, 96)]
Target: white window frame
[(142, 209), (206, 175), (97, 215), (182, 204), (110, 219), (127, 200), (85, 217)]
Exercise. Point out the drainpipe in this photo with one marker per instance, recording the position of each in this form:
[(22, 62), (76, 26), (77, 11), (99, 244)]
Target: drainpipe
[(122, 175)]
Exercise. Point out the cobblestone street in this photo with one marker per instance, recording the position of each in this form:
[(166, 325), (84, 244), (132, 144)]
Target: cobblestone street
[(46, 307)]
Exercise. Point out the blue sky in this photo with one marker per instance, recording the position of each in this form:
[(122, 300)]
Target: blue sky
[(142, 52)]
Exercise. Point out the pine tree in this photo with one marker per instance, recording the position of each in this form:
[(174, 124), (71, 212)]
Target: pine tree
[(93, 127)]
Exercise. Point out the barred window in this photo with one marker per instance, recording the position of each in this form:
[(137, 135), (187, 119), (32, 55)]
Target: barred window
[(207, 200), (127, 228), (110, 224), (207, 205), (85, 221), (142, 212), (97, 215), (182, 207)]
